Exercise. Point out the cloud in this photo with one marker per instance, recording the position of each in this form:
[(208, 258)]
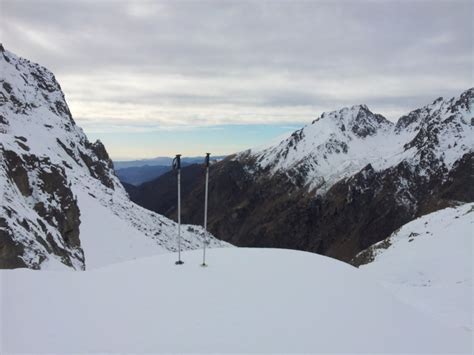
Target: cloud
[(136, 65)]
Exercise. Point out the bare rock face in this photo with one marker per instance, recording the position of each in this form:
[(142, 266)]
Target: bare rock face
[(337, 186), (52, 224), (99, 168), (10, 251)]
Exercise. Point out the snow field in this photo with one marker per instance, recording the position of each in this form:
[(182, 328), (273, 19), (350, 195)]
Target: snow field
[(247, 300)]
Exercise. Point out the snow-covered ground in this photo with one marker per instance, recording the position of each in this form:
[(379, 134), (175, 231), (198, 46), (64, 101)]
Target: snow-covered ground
[(121, 230), (247, 300), (429, 265)]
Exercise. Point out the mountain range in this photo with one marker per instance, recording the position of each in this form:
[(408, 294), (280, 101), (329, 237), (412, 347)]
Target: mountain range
[(159, 161), (345, 181), (351, 185), (137, 172), (137, 175)]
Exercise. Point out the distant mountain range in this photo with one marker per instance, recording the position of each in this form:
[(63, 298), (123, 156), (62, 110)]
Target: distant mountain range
[(136, 172), (136, 175), (338, 185)]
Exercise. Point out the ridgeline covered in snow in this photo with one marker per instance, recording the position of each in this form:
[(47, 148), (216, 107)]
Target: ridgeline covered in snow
[(341, 143), (61, 201)]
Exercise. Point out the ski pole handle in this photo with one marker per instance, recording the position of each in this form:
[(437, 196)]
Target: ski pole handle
[(206, 160), (177, 162)]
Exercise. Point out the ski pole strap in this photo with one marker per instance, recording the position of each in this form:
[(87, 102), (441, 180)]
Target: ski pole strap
[(177, 162), (206, 160)]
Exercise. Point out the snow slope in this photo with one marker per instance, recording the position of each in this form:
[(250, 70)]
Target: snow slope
[(61, 200), (339, 144), (428, 264), (247, 300), (115, 229)]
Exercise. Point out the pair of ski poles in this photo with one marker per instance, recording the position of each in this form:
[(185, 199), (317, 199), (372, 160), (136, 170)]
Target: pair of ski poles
[(177, 166)]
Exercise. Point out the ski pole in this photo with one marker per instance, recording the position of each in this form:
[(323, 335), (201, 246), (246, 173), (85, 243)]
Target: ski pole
[(177, 166), (206, 163)]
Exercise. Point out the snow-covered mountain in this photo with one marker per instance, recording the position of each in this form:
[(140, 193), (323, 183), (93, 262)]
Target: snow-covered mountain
[(340, 184), (427, 263), (61, 201), (339, 144)]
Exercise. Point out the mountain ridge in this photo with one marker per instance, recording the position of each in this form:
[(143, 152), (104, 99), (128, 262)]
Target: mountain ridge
[(51, 175), (335, 187), (338, 132)]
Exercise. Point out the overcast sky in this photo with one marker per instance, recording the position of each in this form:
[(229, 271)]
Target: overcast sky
[(130, 68)]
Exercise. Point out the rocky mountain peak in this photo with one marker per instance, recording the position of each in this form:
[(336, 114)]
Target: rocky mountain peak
[(366, 123), (465, 100), (361, 107), (441, 110), (438, 100), (358, 119), (27, 86)]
